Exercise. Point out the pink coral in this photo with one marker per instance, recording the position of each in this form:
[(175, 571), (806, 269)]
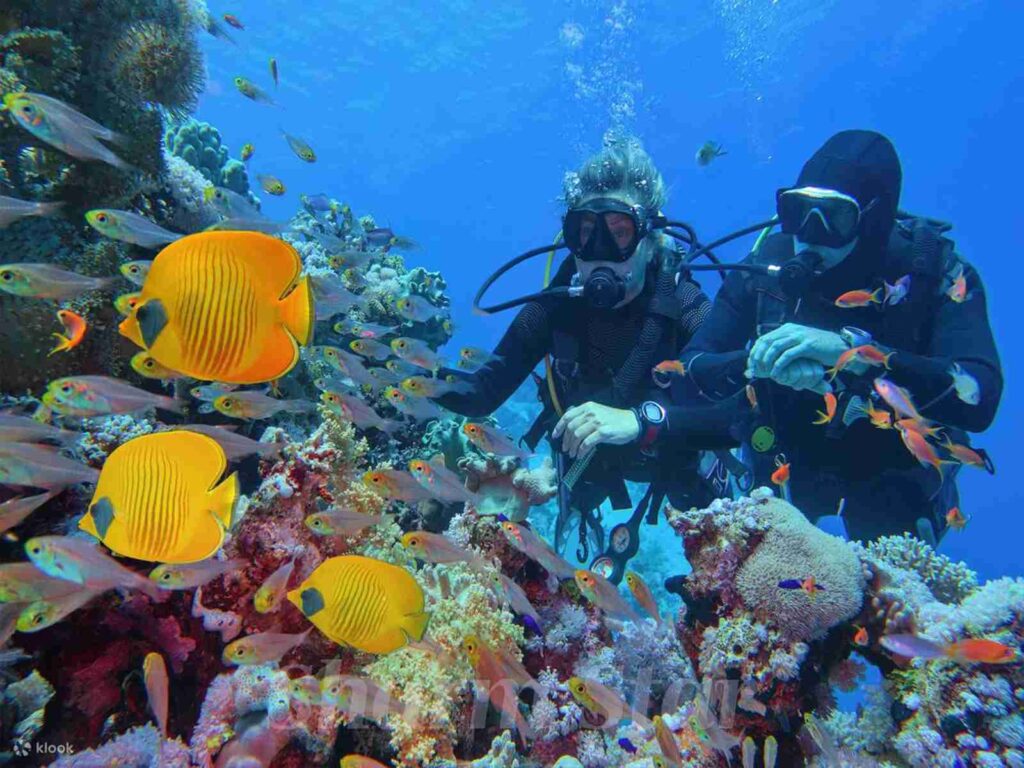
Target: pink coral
[(505, 487)]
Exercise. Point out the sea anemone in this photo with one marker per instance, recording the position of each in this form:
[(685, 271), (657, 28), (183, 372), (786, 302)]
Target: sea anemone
[(159, 65)]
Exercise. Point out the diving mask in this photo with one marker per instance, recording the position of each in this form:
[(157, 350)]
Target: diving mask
[(604, 229), (817, 216)]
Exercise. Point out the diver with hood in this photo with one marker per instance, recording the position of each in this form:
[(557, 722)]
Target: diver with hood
[(614, 310), (852, 271)]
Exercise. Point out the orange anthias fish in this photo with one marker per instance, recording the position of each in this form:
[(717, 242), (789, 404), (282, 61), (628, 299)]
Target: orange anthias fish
[(859, 298), (395, 484), (922, 427), (897, 398), (74, 326), (155, 674), (824, 417), (493, 673), (671, 366), (604, 701), (920, 448), (980, 651), (866, 353), (970, 651), (751, 396), (781, 475), (234, 21), (956, 519), (861, 638), (967, 456), (879, 417)]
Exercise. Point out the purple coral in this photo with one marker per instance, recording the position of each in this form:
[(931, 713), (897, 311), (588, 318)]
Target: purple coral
[(141, 747)]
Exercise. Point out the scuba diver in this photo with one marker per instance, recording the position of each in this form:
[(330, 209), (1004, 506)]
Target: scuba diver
[(613, 311), (851, 271)]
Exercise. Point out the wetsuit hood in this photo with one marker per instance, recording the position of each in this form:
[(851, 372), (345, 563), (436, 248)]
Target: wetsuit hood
[(864, 165)]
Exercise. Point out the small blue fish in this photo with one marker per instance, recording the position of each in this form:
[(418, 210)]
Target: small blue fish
[(627, 745), (531, 624), (897, 292), (320, 202), (808, 585)]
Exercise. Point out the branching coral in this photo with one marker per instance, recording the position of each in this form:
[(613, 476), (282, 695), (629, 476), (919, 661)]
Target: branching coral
[(949, 581)]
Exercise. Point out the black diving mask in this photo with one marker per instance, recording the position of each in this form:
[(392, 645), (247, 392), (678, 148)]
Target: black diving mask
[(605, 229), (822, 217)]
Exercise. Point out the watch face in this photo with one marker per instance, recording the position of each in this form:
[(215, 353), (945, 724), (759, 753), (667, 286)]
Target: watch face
[(653, 412), (603, 566)]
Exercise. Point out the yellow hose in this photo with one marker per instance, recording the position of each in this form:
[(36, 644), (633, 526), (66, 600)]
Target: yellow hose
[(547, 358), (764, 234)]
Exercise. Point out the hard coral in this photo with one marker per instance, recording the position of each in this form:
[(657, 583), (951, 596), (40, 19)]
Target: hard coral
[(793, 548), (199, 144), (507, 488), (949, 582), (157, 64)]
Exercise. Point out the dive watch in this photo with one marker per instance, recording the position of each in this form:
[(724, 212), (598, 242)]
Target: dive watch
[(855, 337), (651, 416)]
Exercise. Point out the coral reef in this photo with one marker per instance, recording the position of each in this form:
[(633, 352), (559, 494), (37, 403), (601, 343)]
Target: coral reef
[(780, 622)]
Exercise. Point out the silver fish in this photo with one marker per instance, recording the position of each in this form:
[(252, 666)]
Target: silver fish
[(23, 429), (39, 466), (235, 445), (129, 227), (12, 209), (63, 127), (300, 147), (14, 511), (45, 281)]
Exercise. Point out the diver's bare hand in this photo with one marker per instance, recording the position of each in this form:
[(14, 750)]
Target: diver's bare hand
[(777, 349), (586, 426)]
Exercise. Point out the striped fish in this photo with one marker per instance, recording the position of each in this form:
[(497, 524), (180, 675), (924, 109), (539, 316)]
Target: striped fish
[(224, 306), (156, 500), (369, 604)]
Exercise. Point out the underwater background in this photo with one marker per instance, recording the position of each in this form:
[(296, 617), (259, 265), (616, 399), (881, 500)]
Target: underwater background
[(452, 124), (456, 122)]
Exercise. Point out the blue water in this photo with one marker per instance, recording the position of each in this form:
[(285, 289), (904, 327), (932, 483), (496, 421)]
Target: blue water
[(453, 122)]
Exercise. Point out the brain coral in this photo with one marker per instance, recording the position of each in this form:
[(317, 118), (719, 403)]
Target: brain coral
[(793, 548)]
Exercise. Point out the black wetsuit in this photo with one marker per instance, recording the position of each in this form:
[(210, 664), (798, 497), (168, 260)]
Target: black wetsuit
[(885, 488), (603, 341)]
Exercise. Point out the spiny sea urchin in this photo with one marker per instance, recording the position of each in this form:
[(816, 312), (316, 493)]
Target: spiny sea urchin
[(160, 65)]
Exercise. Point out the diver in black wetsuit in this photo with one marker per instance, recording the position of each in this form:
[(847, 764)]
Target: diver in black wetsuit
[(632, 315), (841, 228)]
